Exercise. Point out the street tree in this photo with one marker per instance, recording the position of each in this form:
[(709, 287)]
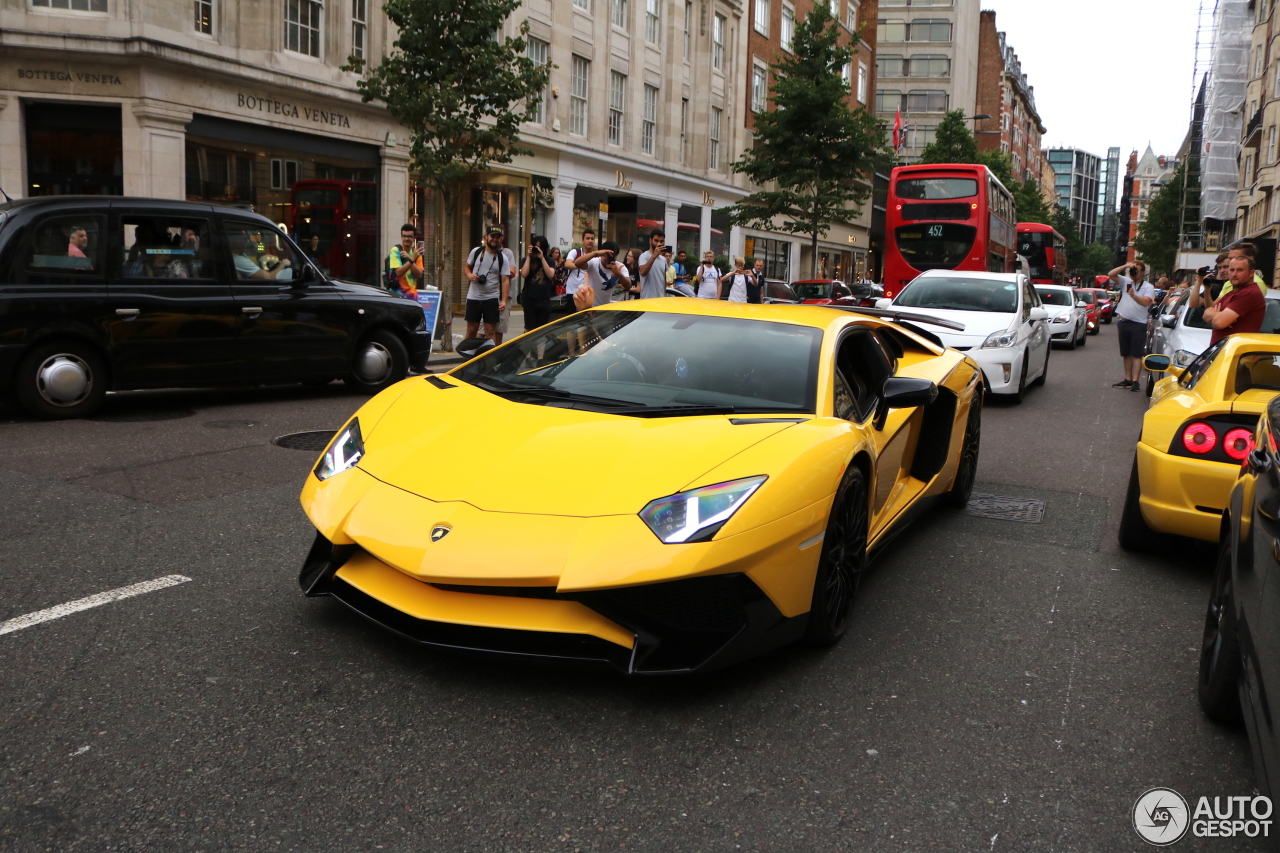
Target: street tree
[(460, 91), (1157, 240), (1065, 224), (1096, 259), (813, 156), (952, 142)]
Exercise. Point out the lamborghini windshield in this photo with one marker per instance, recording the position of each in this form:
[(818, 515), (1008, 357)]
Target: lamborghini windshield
[(651, 363)]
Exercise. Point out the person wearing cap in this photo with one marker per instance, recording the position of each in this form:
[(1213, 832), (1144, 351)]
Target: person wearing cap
[(489, 273)]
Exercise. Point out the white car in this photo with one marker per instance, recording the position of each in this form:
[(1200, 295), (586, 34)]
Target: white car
[(1182, 334), (1006, 329), (1068, 322)]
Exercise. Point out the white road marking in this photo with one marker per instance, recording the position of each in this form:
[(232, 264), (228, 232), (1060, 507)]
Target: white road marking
[(20, 622)]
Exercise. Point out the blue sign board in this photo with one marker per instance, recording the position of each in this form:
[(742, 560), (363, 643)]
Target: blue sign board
[(430, 302)]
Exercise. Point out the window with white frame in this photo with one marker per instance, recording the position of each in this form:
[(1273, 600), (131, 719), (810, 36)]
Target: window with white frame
[(851, 17), (847, 74), (537, 50), (891, 29), (204, 17), (684, 130), (617, 98), (760, 17), (579, 80), (930, 65), (620, 13), (688, 25), (759, 86), (1276, 89), (1271, 144), (835, 10), (713, 158), (302, 26), (72, 5), (717, 43), (652, 23), (359, 27), (583, 4), (788, 26), (931, 29), (649, 119), (862, 82)]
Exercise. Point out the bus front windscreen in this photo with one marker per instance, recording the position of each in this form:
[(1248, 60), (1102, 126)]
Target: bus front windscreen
[(1032, 245), (936, 189), (935, 245)]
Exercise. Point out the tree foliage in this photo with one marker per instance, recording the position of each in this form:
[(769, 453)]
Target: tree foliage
[(952, 142), (813, 155), (1096, 259), (1065, 224), (460, 91), (1029, 200), (1157, 240)]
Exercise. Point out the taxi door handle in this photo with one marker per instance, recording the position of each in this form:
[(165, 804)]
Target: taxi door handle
[(128, 312), (251, 310)]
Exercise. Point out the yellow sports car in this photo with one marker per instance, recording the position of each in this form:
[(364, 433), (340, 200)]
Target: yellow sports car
[(1195, 435), (662, 485)]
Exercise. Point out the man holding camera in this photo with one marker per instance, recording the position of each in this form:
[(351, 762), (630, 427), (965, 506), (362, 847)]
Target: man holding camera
[(1136, 297), (653, 266), (489, 272), (603, 272)]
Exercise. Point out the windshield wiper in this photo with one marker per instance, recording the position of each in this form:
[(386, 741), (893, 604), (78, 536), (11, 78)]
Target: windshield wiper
[(674, 411)]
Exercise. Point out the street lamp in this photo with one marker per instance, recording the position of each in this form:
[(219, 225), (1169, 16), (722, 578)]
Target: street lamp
[(978, 117)]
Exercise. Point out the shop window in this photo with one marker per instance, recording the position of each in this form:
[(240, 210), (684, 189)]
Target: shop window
[(689, 233), (775, 254), (169, 247), (260, 253), (302, 26), (359, 27), (72, 5), (204, 17), (73, 149), (720, 226), (67, 248)]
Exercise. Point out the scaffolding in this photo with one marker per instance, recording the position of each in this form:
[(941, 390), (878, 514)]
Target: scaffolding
[(1220, 116)]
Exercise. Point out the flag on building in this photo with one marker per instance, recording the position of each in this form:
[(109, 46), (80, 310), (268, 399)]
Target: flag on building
[(898, 136)]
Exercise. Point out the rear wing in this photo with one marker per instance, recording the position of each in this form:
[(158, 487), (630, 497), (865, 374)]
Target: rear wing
[(906, 320)]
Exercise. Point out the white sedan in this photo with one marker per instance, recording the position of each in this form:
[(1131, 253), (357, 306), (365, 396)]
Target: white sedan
[(1068, 323), (1006, 328)]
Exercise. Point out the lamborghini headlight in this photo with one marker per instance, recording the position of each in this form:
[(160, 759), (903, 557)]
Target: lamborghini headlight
[(698, 514), (1001, 339), (343, 453)]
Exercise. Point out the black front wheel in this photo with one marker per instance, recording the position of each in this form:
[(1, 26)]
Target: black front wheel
[(380, 361), (1135, 535), (843, 561), (1220, 663), (967, 472)]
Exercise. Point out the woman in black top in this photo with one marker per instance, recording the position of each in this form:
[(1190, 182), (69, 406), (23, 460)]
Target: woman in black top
[(539, 285)]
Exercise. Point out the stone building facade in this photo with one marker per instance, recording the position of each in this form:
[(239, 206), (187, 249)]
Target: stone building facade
[(1005, 95)]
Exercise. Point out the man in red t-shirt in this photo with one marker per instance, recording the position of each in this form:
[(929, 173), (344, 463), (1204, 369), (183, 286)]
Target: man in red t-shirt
[(1240, 310)]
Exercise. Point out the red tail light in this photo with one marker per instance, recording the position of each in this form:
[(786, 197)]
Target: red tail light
[(1199, 438), (1238, 443)]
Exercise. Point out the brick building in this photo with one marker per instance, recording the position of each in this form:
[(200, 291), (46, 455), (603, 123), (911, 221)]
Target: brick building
[(843, 253), (1005, 95)]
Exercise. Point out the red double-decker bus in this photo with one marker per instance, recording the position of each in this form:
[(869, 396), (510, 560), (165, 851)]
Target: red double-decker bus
[(336, 223), (1045, 251), (946, 216)]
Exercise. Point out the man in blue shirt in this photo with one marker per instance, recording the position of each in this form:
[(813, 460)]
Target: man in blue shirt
[(681, 266)]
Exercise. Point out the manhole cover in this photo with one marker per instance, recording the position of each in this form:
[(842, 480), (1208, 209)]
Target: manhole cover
[(138, 416), (230, 424), (1005, 508), (314, 441)]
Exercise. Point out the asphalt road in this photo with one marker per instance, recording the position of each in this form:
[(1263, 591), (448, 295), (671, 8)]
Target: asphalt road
[(1007, 686)]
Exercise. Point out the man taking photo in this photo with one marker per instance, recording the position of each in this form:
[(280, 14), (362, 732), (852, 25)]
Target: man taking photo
[(1241, 309), (1136, 297)]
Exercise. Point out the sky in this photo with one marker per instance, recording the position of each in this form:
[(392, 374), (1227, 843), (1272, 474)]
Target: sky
[(1106, 72)]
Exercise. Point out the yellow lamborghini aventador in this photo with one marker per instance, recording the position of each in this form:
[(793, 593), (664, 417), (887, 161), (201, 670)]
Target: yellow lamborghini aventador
[(662, 485)]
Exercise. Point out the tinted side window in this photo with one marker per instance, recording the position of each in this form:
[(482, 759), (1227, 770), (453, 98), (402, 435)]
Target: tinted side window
[(63, 249), (166, 246), (259, 252)]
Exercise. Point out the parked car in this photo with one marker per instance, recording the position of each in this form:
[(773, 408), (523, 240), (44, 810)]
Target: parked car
[(1006, 329), (1194, 437), (1092, 308), (775, 293), (1107, 299), (825, 291), (1067, 321), (1240, 649), (109, 293)]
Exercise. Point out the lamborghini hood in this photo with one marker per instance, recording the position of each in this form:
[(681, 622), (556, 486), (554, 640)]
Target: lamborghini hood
[(466, 444)]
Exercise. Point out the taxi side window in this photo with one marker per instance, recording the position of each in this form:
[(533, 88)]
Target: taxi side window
[(63, 249), (169, 247), (1200, 365)]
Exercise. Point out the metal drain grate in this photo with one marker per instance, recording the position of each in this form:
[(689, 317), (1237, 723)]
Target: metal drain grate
[(140, 416), (1005, 508), (314, 441)]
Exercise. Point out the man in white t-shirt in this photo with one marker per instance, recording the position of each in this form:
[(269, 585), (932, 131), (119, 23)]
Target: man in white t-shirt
[(1136, 297), (653, 267), (708, 277), (605, 272), (578, 274)]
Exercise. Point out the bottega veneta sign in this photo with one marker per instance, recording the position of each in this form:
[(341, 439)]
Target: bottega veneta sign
[(253, 103), (69, 76)]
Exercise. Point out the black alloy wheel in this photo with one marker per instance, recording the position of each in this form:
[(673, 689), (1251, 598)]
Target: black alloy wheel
[(967, 471), (1135, 535), (61, 379), (380, 361), (1075, 340), (1221, 665), (842, 563)]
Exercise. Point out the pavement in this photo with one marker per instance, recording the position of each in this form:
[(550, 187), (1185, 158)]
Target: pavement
[(1005, 685)]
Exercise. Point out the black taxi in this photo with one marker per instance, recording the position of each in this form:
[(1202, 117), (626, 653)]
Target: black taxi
[(112, 293)]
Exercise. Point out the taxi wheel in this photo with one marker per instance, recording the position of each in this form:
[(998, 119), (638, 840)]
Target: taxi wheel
[(380, 361), (967, 472), (842, 563), (1220, 662), (60, 380), (1135, 535)]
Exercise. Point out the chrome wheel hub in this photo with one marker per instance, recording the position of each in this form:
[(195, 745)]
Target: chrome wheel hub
[(373, 363), (64, 379)]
